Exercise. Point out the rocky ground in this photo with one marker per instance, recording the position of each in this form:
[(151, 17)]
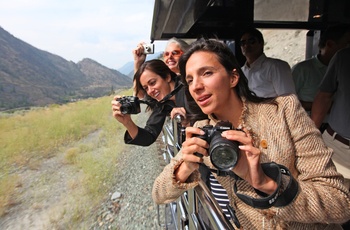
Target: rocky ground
[(133, 207)]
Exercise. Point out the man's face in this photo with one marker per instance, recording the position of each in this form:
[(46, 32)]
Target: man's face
[(250, 46), (333, 46)]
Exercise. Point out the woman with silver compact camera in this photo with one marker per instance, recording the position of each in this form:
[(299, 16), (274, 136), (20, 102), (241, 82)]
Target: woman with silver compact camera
[(173, 50)]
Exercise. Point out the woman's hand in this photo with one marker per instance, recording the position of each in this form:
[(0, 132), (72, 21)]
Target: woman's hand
[(193, 149), (117, 114), (125, 119), (139, 56), (248, 166), (178, 110)]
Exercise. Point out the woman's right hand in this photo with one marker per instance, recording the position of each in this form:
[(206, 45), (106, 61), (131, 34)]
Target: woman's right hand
[(117, 114), (193, 149), (139, 55)]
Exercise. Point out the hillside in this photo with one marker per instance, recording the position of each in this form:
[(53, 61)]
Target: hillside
[(128, 68), (33, 77)]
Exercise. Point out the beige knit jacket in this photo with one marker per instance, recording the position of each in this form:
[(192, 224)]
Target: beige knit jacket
[(286, 135)]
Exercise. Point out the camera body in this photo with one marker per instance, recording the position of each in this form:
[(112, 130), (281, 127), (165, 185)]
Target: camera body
[(130, 105), (223, 153), (148, 48)]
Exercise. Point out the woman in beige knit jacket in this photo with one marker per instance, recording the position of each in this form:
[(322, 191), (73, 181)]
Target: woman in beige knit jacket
[(284, 177)]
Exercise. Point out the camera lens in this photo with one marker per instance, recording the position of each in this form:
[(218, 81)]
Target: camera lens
[(223, 153), (126, 108)]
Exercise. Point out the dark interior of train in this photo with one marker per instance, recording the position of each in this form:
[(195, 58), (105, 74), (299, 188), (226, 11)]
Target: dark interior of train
[(225, 19)]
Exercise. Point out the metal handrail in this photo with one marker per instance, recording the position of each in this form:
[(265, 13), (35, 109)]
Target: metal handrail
[(196, 208)]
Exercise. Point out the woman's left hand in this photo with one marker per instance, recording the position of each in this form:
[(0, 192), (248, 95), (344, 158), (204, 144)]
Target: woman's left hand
[(248, 166)]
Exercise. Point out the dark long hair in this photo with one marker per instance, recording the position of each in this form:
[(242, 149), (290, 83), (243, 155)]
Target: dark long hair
[(156, 66), (227, 60)]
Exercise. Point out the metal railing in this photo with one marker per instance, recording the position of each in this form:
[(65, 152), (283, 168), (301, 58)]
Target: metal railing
[(196, 208)]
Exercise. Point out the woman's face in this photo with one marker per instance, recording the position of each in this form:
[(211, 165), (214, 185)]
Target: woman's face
[(172, 56), (209, 83), (154, 85)]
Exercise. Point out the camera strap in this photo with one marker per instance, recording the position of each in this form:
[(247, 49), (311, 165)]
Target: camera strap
[(145, 102), (277, 198), (172, 93)]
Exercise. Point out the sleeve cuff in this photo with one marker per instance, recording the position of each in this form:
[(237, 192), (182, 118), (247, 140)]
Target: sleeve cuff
[(191, 182)]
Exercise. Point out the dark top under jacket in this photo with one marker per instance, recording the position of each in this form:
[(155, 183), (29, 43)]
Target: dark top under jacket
[(149, 134)]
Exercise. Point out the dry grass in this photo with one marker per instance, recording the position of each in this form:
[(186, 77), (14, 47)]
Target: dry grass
[(27, 139)]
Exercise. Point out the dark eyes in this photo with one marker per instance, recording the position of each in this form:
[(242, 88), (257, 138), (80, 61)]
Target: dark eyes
[(206, 73), (151, 83)]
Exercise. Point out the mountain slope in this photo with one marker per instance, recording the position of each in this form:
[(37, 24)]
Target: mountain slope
[(33, 77), (128, 68), (100, 76)]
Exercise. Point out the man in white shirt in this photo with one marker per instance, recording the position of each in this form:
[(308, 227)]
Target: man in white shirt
[(267, 77), (308, 74)]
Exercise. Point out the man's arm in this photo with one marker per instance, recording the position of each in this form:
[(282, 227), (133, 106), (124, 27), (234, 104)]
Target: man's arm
[(306, 105), (283, 79), (320, 107)]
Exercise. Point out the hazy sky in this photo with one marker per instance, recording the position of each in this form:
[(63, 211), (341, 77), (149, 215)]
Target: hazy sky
[(103, 30)]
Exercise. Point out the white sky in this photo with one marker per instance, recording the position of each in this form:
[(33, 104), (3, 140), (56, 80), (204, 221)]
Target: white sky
[(103, 30)]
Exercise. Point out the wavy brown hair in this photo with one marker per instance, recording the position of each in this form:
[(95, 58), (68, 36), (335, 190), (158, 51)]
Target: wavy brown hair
[(228, 61), (156, 66)]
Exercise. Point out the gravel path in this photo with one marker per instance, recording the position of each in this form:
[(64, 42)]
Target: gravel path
[(137, 169)]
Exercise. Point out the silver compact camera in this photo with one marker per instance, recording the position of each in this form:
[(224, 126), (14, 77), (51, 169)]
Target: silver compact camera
[(148, 48)]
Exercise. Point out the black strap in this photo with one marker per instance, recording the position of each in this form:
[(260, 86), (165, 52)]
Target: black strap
[(271, 170), (166, 98), (145, 102), (172, 93), (274, 171), (290, 192)]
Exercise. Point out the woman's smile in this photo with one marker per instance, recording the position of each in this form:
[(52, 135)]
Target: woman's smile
[(156, 94)]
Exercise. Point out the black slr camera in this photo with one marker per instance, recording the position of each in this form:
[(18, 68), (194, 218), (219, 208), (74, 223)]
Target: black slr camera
[(223, 152), (130, 105)]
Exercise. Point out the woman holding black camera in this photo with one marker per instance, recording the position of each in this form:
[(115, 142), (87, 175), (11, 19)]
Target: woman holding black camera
[(163, 92), (284, 177)]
